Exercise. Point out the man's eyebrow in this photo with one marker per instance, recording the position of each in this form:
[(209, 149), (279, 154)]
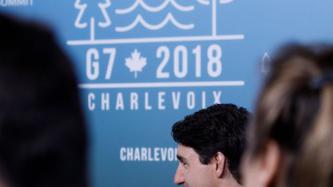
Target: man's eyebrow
[(181, 159)]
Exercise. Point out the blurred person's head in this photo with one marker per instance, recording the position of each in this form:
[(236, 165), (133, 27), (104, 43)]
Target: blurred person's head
[(210, 145), (43, 140), (291, 135)]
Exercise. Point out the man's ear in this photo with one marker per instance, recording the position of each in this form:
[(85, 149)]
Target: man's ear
[(269, 163), (220, 164)]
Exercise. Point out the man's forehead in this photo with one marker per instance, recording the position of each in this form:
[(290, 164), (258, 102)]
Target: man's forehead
[(186, 152)]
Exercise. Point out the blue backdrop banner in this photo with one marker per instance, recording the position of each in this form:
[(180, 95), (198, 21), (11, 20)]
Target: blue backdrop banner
[(145, 64)]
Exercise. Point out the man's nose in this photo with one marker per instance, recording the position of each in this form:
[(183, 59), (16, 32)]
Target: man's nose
[(179, 175)]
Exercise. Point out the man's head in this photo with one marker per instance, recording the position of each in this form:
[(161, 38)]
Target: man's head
[(43, 140), (210, 144)]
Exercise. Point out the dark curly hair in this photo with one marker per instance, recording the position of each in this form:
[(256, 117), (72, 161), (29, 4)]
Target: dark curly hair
[(219, 128)]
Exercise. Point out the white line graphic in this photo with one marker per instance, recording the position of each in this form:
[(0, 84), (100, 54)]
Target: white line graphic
[(92, 29), (214, 19), (154, 9), (154, 40), (168, 18), (161, 84)]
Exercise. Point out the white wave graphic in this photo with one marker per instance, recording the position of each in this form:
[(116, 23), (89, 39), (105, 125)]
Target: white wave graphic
[(168, 18), (204, 2), (207, 2), (154, 9), (225, 1)]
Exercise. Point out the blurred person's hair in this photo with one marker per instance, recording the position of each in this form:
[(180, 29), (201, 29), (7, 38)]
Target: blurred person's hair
[(295, 109), (43, 140), (218, 128)]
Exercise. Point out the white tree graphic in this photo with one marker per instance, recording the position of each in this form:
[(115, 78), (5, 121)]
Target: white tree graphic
[(81, 24), (214, 3), (81, 8)]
